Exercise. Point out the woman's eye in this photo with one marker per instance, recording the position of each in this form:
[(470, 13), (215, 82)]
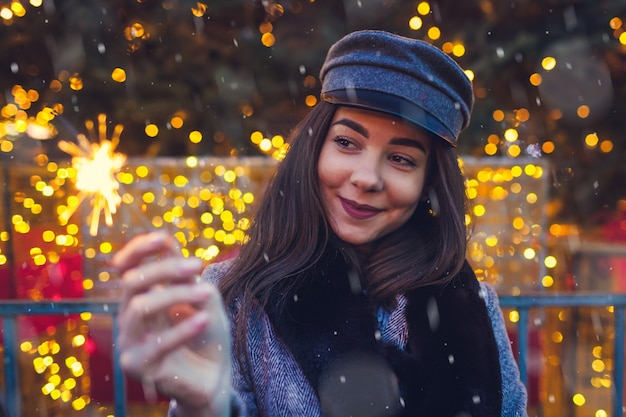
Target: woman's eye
[(343, 142), (402, 160)]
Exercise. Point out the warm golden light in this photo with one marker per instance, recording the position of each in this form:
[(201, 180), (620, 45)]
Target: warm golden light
[(511, 135), (423, 8), (135, 31), (548, 147), (550, 262), (434, 33), (118, 75), (579, 399), (547, 281), (96, 165), (310, 100), (6, 13), (522, 115), (177, 122), (615, 23), (548, 63), (557, 336), (491, 149), (592, 140), (535, 79), (458, 50), (151, 130), (268, 39), (606, 146), (195, 137), (415, 23), (199, 10), (583, 111)]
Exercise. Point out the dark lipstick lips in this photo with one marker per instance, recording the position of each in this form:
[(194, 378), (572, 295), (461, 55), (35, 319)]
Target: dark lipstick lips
[(359, 211)]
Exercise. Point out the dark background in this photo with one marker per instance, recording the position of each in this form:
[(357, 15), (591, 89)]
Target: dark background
[(214, 71)]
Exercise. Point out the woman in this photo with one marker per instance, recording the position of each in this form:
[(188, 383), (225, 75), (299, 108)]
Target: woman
[(352, 295)]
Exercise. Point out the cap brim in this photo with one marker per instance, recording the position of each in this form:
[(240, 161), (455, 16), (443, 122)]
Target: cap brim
[(386, 103)]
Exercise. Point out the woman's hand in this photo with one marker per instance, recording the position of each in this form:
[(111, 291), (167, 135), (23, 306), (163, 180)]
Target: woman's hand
[(173, 331)]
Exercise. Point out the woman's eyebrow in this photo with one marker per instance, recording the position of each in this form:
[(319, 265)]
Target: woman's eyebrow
[(359, 128), (413, 143)]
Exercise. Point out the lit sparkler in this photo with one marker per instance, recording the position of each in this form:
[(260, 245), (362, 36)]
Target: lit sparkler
[(96, 165)]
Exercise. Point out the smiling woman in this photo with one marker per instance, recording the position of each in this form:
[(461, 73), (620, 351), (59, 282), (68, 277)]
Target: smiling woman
[(350, 297), (208, 92)]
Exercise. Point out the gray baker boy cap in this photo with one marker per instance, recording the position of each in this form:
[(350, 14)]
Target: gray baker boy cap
[(405, 77)]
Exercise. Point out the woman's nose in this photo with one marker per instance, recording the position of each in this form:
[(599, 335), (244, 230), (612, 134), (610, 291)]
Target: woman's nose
[(367, 176)]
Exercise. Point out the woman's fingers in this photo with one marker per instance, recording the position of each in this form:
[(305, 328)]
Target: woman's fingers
[(142, 246), (173, 331), (165, 273), (165, 361), (139, 276), (145, 311), (201, 338), (140, 358)]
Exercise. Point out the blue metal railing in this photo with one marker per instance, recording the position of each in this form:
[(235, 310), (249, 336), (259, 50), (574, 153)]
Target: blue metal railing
[(10, 310), (523, 304)]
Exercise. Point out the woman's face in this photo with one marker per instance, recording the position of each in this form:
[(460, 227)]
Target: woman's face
[(371, 169)]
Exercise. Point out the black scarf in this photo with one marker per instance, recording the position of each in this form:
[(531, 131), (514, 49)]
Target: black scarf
[(450, 366)]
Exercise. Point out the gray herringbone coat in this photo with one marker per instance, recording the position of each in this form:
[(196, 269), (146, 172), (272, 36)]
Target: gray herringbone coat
[(275, 385)]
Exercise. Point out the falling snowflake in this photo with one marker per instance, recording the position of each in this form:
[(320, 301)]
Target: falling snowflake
[(96, 165)]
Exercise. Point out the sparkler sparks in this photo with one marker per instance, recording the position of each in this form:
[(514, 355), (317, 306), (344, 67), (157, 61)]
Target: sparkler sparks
[(96, 165)]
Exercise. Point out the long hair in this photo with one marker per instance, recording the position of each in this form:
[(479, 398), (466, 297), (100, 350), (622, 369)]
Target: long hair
[(291, 234)]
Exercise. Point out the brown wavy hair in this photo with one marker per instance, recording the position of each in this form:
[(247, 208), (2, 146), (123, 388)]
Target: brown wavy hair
[(291, 234)]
